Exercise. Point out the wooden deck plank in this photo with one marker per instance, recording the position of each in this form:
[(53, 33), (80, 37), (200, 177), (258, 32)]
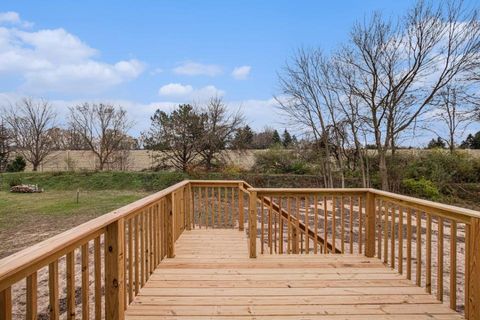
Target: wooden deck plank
[(212, 277)]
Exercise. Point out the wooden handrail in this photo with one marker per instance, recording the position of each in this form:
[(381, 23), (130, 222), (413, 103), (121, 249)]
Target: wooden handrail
[(380, 223), (19, 265)]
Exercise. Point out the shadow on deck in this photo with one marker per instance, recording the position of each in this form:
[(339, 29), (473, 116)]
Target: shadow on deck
[(212, 276)]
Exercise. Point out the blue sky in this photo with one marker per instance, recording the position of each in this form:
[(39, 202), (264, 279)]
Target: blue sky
[(149, 54)]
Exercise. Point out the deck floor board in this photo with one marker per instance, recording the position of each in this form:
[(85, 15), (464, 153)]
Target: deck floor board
[(211, 277)]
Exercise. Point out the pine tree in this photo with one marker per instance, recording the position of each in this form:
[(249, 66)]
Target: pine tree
[(287, 139), (276, 140)]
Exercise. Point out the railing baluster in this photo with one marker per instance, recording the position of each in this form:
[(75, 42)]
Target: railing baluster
[(241, 209), (379, 229), (32, 296), (385, 232), (85, 282), (453, 264), (297, 231), (351, 226), (270, 227), (400, 240), (98, 277), (409, 244), (142, 248), (289, 226), (428, 249), (262, 225), (232, 216), (392, 237), (440, 260), (252, 224), (370, 224), (315, 222), (280, 226), (325, 225), (418, 239), (130, 260), (54, 312), (275, 217), (307, 223), (342, 218), (70, 264), (334, 225), (360, 225)]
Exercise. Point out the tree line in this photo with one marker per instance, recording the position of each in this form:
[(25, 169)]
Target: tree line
[(188, 136), (393, 77)]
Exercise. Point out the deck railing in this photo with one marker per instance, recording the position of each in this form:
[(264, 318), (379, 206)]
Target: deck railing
[(435, 245), (416, 237)]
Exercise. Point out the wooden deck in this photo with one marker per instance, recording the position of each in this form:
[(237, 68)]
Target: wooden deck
[(213, 277)]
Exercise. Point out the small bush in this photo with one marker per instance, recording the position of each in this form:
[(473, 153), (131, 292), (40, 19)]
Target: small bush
[(422, 188), (278, 160), (15, 181), (17, 165)]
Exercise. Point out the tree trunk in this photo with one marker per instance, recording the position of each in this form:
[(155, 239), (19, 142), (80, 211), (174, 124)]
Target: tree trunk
[(383, 168)]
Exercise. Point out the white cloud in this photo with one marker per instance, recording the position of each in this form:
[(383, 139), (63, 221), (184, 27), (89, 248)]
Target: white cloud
[(190, 68), (54, 60), (175, 89), (187, 92), (11, 17), (241, 73)]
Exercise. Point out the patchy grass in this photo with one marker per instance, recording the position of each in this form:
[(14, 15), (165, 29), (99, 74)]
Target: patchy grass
[(28, 218), (108, 180)]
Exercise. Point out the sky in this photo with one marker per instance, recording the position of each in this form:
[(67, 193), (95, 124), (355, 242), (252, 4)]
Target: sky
[(145, 55)]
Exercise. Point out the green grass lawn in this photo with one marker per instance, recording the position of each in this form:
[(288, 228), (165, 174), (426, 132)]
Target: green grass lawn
[(28, 218)]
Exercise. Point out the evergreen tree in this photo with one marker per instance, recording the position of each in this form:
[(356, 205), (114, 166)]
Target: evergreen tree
[(436, 144), (471, 142), (276, 140), (243, 138), (287, 139)]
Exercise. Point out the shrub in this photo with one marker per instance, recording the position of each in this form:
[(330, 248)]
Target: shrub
[(278, 160), (17, 165), (15, 181), (423, 188)]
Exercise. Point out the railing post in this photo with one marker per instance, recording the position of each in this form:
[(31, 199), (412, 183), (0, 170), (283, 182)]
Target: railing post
[(6, 304), (252, 223), (114, 271), (170, 226), (370, 225), (241, 208), (473, 270)]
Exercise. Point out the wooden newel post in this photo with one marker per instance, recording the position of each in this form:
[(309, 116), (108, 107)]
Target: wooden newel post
[(170, 225), (6, 304), (252, 223), (370, 225), (472, 292), (241, 208), (114, 271)]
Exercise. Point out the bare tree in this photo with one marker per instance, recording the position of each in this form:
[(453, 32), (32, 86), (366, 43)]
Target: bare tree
[(454, 111), (400, 66), (29, 122), (102, 127), (5, 145), (302, 100), (218, 130)]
